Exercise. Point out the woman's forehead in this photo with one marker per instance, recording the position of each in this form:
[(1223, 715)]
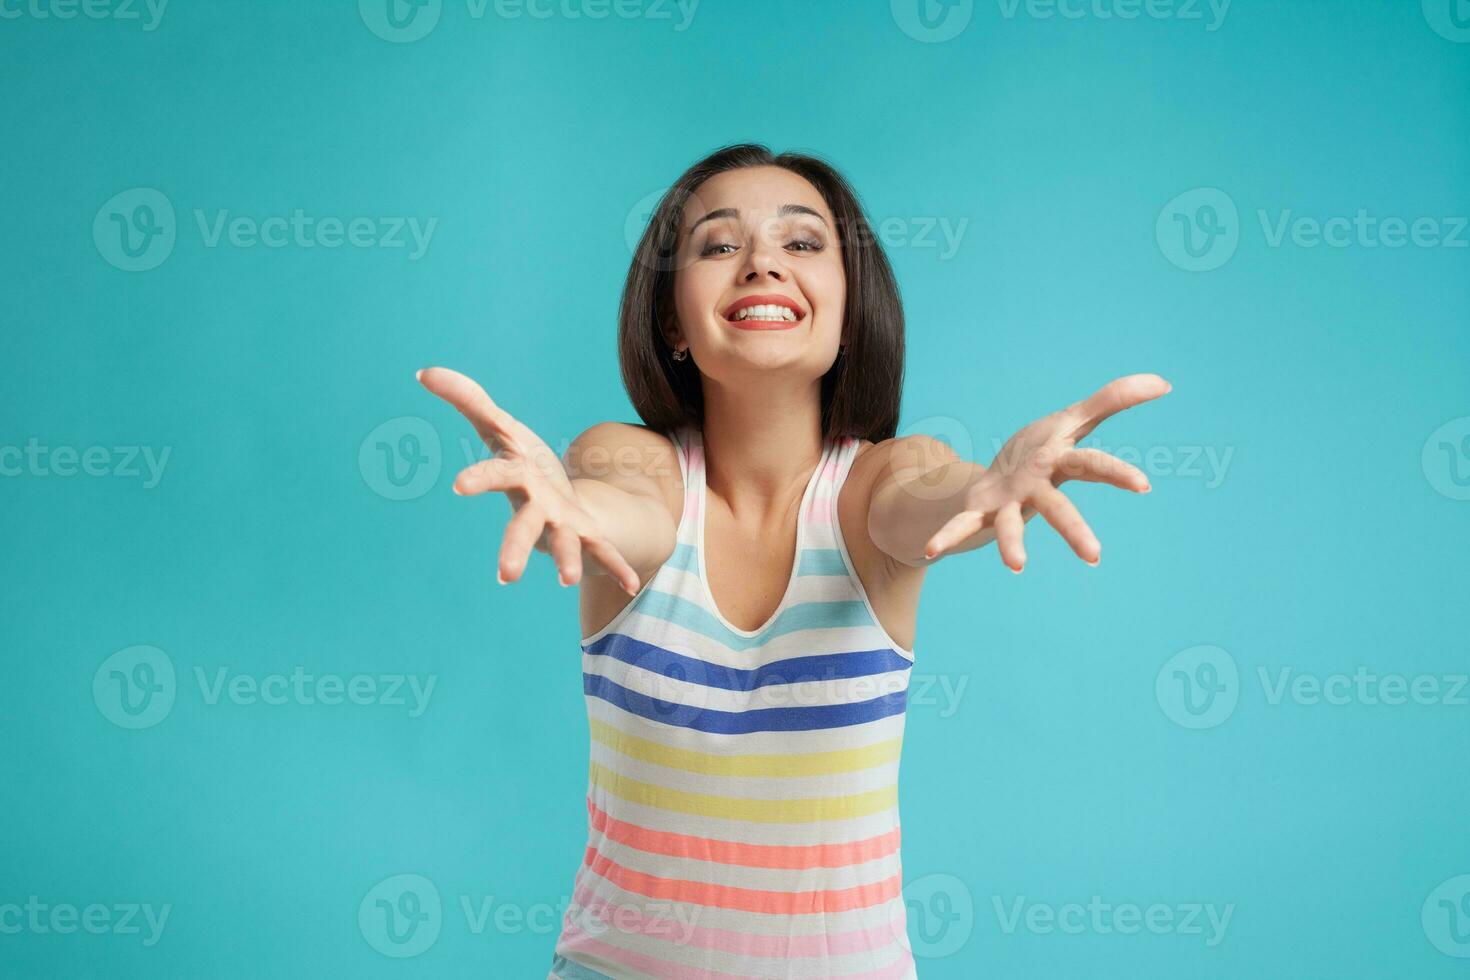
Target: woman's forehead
[(759, 192)]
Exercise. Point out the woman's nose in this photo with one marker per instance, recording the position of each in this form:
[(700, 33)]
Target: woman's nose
[(763, 260)]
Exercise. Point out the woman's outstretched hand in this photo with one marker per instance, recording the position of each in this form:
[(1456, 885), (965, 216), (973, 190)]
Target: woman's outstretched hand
[(548, 516), (1024, 476)]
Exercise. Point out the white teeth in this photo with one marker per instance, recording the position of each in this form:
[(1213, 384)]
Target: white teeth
[(772, 312)]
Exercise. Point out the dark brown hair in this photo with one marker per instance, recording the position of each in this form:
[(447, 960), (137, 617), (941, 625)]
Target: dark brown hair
[(860, 393)]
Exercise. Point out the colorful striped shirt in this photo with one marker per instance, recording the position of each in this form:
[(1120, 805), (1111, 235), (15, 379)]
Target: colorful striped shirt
[(742, 794)]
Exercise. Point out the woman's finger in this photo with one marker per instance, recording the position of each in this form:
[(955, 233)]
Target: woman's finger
[(494, 424), (1114, 397), (1096, 466), (1058, 511), (1009, 533), (566, 551), (956, 529), (601, 550), (522, 532), (494, 474)]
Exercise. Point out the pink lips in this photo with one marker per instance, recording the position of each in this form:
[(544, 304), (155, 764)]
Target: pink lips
[(770, 299)]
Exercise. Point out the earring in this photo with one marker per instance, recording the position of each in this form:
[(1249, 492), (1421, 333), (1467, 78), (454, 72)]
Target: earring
[(680, 353)]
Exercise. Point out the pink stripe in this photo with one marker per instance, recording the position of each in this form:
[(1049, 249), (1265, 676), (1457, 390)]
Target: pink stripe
[(578, 940), (575, 939), (630, 919)]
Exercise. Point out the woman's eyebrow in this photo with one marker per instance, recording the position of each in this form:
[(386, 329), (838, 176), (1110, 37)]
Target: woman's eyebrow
[(786, 210)]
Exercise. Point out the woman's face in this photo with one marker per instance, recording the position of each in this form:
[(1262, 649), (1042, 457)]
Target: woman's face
[(759, 281)]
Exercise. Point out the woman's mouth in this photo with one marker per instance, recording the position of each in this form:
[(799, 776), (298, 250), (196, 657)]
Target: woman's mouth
[(764, 313)]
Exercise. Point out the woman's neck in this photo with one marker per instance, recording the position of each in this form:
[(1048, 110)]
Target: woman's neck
[(761, 444)]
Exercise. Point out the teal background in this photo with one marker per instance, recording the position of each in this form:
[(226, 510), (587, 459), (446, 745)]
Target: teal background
[(1336, 538)]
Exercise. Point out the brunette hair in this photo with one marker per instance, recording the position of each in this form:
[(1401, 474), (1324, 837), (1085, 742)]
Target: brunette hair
[(860, 393)]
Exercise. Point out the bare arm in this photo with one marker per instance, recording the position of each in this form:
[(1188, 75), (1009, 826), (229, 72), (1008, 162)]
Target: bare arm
[(625, 477)]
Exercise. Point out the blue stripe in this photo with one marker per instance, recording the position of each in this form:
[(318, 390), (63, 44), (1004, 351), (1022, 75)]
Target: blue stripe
[(796, 670), (701, 719), (821, 561), (564, 969)]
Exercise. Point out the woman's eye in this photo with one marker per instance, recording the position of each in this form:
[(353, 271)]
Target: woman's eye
[(718, 248), (805, 245)]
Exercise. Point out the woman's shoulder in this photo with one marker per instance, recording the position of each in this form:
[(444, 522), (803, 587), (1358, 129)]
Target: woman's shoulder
[(630, 456)]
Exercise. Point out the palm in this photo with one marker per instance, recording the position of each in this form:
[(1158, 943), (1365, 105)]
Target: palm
[(1024, 477)]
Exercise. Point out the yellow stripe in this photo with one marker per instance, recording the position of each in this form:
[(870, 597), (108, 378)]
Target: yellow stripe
[(809, 764), (735, 808)]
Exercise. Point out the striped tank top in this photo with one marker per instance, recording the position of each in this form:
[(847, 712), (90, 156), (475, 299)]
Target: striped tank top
[(742, 791)]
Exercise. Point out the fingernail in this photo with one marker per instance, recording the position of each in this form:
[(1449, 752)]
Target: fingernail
[(1094, 562), (457, 491), (1015, 568), (499, 577), (418, 375), (1146, 488)]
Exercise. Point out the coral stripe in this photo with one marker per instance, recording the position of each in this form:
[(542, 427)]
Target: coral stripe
[(745, 855), (745, 899)]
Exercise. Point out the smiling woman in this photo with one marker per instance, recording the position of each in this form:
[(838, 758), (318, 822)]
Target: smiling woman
[(747, 704)]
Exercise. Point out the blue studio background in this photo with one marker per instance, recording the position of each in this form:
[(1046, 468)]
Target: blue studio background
[(262, 686)]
